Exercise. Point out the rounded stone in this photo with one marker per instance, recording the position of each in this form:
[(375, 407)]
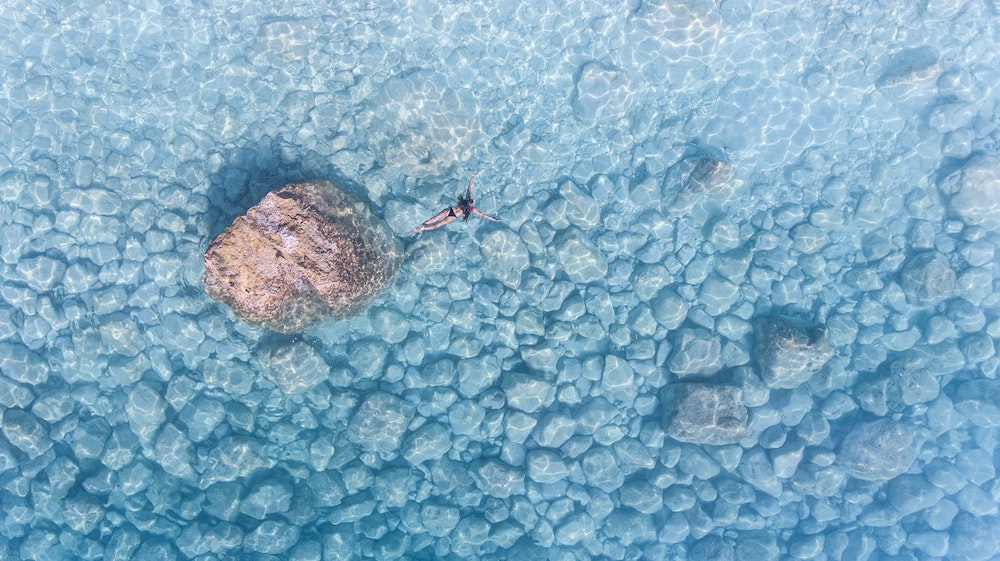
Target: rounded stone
[(974, 538), (582, 262), (701, 178), (927, 278), (975, 191), (546, 466), (272, 537), (877, 451), (706, 414), (295, 367), (789, 352), (697, 352), (600, 93), (712, 548), (506, 256), (497, 479), (305, 252), (380, 422)]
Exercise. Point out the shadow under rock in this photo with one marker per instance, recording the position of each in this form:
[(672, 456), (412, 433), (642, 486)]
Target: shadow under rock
[(253, 170)]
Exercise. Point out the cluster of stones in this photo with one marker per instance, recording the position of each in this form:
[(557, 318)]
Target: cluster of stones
[(788, 354)]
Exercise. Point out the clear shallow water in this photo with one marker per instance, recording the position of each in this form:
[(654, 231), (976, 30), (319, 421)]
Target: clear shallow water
[(511, 395)]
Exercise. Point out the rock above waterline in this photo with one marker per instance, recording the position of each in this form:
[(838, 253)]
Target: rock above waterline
[(304, 253)]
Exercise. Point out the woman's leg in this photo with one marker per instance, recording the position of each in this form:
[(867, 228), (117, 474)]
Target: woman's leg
[(440, 219)]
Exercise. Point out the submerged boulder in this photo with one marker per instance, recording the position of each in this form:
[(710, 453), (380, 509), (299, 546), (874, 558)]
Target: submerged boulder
[(878, 450), (927, 278), (790, 352), (706, 414), (380, 422), (975, 192), (701, 179), (305, 252)]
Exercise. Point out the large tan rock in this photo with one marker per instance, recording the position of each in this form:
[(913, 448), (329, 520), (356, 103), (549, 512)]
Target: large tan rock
[(305, 252)]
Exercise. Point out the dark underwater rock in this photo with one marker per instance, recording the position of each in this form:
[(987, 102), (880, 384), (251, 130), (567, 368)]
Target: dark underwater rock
[(706, 414), (789, 352)]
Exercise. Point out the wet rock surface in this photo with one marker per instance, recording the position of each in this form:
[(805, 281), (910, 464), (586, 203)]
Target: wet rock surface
[(305, 252)]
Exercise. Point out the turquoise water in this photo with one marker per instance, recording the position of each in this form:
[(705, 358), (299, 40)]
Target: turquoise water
[(742, 304)]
